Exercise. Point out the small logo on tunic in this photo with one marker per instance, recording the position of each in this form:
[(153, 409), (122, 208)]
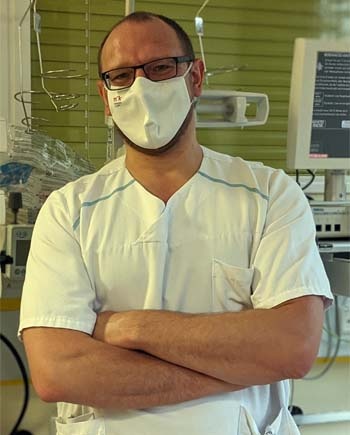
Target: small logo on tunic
[(117, 100)]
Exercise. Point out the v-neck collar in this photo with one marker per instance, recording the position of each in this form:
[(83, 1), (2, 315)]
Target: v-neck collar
[(153, 199)]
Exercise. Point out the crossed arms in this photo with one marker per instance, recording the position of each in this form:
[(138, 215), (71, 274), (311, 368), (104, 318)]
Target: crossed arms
[(141, 359)]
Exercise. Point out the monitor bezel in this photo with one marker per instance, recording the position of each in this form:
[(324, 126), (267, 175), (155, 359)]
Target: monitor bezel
[(301, 103)]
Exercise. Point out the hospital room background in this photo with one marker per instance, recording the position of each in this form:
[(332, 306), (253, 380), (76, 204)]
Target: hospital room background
[(53, 130)]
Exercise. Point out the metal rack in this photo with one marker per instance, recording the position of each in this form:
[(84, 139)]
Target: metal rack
[(60, 101)]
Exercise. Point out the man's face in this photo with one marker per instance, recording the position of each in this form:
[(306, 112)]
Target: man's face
[(133, 44)]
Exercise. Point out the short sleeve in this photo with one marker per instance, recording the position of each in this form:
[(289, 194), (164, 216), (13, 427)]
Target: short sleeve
[(287, 263), (57, 291)]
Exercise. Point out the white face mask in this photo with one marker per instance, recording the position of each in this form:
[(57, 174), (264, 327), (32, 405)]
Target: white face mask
[(150, 113)]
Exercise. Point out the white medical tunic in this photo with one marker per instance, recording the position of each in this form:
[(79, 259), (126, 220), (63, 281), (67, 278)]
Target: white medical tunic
[(236, 236)]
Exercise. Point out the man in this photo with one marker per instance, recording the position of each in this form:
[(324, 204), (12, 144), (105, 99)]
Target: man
[(175, 290)]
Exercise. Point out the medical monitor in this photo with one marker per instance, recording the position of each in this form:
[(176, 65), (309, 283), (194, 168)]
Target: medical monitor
[(319, 105)]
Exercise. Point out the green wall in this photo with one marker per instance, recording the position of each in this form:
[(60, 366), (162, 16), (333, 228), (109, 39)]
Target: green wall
[(255, 33)]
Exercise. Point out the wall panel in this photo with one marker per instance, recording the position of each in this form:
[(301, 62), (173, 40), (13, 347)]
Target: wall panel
[(256, 34)]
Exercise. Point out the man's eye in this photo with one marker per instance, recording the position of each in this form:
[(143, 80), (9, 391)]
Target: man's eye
[(161, 68), (120, 76)]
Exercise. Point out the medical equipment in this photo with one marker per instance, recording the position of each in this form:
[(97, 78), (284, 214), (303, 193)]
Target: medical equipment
[(14, 247), (18, 239), (337, 266), (318, 138), (129, 6), (332, 220), (319, 111), (199, 26), (61, 101), (227, 109)]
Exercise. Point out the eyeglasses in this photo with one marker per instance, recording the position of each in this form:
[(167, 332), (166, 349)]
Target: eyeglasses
[(157, 70)]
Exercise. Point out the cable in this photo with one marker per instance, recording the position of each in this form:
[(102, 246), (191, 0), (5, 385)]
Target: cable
[(313, 176), (26, 385), (297, 179)]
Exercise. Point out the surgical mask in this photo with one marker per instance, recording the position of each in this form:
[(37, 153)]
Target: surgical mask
[(151, 113)]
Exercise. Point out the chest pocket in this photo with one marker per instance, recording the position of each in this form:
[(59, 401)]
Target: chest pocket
[(231, 287)]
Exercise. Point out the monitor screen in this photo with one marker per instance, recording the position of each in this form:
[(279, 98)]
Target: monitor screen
[(319, 105)]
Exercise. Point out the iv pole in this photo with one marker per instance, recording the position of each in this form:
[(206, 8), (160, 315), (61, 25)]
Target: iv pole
[(129, 7)]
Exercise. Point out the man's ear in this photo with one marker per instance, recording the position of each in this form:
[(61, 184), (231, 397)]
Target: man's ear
[(197, 75), (103, 94)]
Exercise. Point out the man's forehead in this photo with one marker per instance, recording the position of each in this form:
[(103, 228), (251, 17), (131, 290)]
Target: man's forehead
[(130, 36), (155, 24)]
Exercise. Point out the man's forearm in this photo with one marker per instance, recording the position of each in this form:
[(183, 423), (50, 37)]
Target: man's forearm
[(79, 369), (247, 348)]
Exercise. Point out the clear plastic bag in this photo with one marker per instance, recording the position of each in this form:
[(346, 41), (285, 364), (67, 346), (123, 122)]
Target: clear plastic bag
[(37, 164)]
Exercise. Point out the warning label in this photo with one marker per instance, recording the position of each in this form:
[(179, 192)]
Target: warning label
[(330, 135)]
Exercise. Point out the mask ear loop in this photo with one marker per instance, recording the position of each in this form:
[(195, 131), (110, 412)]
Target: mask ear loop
[(188, 70), (194, 99)]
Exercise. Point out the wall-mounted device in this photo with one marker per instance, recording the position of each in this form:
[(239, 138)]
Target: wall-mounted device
[(18, 243), (14, 246), (229, 109)]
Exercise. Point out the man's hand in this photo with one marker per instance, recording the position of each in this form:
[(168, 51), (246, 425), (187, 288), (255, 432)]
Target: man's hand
[(121, 329)]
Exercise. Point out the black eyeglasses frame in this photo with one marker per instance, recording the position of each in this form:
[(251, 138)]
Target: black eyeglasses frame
[(177, 59)]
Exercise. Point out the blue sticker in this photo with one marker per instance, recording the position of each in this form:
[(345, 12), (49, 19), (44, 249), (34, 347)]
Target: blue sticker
[(14, 173)]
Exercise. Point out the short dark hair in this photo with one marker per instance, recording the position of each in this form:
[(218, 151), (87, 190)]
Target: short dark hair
[(139, 17)]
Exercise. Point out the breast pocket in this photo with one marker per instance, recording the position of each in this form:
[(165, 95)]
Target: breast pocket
[(85, 424), (231, 287)]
